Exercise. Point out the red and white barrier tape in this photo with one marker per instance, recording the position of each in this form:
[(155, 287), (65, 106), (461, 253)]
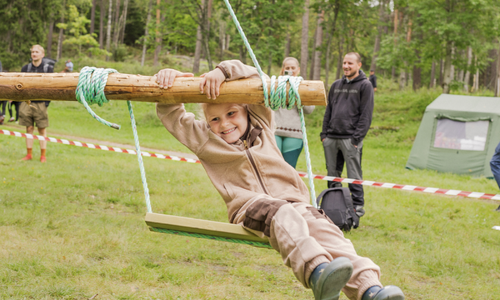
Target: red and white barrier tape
[(302, 174)]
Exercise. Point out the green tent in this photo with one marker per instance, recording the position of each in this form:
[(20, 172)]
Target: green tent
[(458, 134)]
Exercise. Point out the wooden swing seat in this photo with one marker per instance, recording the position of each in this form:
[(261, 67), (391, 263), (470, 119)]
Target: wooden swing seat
[(203, 227)]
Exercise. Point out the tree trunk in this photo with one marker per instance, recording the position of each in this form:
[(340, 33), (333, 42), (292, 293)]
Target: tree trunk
[(497, 77), (447, 68), (61, 31), (467, 74), (270, 46), (92, 17), (311, 67), (304, 44), (108, 32), (475, 85), (287, 41), (157, 34), (317, 46), (123, 22), (417, 78), (101, 25), (329, 42), (146, 33), (50, 35), (208, 11), (395, 38), (376, 48), (222, 39), (432, 83), (441, 66), (402, 79), (116, 26), (340, 61), (197, 50)]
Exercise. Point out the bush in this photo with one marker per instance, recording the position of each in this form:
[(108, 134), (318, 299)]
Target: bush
[(119, 53)]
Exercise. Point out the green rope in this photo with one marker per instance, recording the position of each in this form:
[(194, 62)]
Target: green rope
[(211, 237), (90, 90), (278, 98)]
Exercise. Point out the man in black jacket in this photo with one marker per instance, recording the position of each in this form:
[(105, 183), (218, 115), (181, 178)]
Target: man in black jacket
[(346, 122), (35, 112)]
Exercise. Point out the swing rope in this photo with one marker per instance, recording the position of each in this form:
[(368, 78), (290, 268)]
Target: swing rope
[(278, 98), (90, 90)]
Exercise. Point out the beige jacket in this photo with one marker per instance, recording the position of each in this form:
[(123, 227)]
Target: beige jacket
[(239, 174)]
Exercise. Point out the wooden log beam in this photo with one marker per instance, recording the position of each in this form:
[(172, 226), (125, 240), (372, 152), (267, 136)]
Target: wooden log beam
[(62, 86)]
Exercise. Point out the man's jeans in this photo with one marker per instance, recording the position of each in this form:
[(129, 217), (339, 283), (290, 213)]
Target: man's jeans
[(352, 157)]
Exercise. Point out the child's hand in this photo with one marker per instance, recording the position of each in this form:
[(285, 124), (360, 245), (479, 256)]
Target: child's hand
[(165, 78), (212, 81)]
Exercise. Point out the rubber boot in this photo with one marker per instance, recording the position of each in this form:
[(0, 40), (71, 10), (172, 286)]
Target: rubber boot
[(328, 279), (389, 292)]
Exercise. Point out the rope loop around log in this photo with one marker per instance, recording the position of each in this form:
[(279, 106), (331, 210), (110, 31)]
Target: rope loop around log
[(90, 90)]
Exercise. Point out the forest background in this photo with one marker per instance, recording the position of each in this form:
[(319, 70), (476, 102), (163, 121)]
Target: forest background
[(453, 44)]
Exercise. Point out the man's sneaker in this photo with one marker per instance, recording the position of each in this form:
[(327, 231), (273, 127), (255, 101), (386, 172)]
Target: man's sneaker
[(12, 119), (389, 292), (27, 157), (360, 211), (328, 279), (1, 119), (498, 209), (43, 159)]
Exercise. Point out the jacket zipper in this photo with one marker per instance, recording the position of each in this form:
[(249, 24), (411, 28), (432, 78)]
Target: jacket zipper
[(252, 162)]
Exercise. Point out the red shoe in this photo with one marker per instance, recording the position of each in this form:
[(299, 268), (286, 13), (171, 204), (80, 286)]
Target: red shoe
[(43, 159), (27, 157)]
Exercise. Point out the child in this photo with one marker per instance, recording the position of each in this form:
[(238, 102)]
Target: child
[(288, 129), (265, 194)]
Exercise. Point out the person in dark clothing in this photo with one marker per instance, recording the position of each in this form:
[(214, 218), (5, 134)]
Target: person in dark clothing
[(16, 109), (347, 120), (35, 112), (495, 167), (2, 104), (373, 80)]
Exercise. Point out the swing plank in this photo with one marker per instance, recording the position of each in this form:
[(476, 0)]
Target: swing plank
[(184, 224), (62, 86)]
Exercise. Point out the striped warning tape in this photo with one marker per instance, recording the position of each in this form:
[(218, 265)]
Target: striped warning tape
[(101, 147), (301, 174)]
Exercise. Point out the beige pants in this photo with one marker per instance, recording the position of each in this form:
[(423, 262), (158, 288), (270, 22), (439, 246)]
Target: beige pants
[(305, 238)]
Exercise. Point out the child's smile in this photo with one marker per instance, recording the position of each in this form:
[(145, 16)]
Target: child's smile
[(227, 120)]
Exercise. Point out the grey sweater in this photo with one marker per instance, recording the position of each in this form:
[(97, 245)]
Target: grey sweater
[(288, 122)]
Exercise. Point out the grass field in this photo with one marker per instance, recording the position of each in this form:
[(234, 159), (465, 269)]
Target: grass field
[(73, 227)]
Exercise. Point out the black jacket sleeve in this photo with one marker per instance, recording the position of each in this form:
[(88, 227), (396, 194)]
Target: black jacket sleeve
[(328, 112), (366, 109)]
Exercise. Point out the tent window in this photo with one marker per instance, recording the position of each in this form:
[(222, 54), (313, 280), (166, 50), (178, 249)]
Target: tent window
[(461, 135)]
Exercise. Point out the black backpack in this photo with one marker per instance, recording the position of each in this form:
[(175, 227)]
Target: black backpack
[(48, 63), (337, 204)]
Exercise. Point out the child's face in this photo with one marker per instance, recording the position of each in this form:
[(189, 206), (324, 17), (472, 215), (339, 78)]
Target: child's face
[(227, 120), (292, 68)]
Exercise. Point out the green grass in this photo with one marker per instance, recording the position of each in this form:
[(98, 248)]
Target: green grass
[(73, 227)]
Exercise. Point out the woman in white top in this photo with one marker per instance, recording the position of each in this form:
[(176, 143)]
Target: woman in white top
[(288, 128)]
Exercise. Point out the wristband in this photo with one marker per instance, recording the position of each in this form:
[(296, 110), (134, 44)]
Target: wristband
[(223, 71)]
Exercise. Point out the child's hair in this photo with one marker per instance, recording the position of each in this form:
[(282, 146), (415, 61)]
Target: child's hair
[(204, 106), (285, 60)]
